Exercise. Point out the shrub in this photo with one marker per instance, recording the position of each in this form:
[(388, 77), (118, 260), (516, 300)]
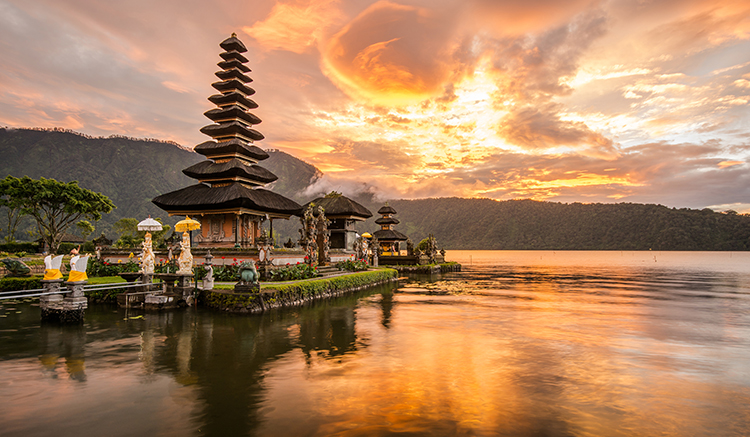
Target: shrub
[(21, 254), (352, 266), (12, 284), (293, 272), (20, 247), (99, 267)]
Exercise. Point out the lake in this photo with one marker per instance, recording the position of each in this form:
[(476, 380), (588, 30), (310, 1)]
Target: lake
[(520, 343)]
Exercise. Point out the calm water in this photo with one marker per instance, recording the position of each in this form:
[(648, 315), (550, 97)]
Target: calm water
[(518, 344)]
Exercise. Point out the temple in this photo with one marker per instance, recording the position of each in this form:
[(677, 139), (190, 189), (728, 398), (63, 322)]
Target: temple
[(342, 212), (389, 238), (229, 200)]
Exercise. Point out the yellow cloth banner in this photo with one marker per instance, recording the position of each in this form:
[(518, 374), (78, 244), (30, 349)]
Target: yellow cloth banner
[(51, 274), (77, 276)]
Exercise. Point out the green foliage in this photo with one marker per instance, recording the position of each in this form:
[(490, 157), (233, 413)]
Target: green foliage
[(127, 230), (310, 288), (85, 228), (333, 194), (530, 225), (13, 204), (337, 283), (20, 247), (352, 265), (65, 248), (54, 205), (101, 268), (293, 272), (97, 267), (21, 254), (12, 284)]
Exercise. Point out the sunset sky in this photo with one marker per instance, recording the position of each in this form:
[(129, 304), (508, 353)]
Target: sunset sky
[(575, 101)]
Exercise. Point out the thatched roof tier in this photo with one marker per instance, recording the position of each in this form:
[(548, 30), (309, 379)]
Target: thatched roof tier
[(387, 210), (231, 113), (234, 197), (232, 98), (341, 207), (233, 43), (234, 169), (234, 63), (233, 54), (231, 148), (387, 221), (232, 129), (385, 235), (233, 73), (233, 85)]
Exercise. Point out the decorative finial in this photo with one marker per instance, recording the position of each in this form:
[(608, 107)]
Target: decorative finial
[(234, 35)]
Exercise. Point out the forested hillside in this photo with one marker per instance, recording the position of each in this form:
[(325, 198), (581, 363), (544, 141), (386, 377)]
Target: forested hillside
[(131, 172), (526, 224)]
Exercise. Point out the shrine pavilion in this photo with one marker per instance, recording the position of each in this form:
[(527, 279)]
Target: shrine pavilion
[(388, 238), (229, 200), (342, 212)]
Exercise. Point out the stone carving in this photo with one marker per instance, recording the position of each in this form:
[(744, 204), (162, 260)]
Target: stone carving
[(185, 261), (16, 267), (52, 266), (313, 222), (78, 265), (148, 259), (247, 274)]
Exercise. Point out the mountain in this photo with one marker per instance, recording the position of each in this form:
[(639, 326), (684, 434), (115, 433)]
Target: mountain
[(134, 171), (527, 225), (129, 171)]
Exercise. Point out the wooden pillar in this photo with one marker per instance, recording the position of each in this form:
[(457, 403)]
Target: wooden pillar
[(237, 231)]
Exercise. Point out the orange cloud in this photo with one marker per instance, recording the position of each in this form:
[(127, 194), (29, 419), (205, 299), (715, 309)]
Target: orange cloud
[(295, 27), (390, 54)]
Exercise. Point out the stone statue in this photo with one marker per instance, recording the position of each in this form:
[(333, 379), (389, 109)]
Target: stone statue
[(52, 267), (16, 267), (208, 281), (78, 265), (149, 259), (247, 274), (185, 261)]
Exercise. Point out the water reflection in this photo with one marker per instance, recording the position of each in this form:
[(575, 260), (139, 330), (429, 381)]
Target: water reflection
[(498, 349)]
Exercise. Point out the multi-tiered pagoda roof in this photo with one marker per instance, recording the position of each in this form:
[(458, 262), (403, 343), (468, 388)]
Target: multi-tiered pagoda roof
[(230, 178), (386, 222)]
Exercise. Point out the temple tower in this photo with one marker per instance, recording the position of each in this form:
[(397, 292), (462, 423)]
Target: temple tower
[(229, 200), (389, 238)]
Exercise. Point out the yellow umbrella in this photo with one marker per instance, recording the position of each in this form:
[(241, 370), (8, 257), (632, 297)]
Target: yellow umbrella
[(366, 235), (187, 225)]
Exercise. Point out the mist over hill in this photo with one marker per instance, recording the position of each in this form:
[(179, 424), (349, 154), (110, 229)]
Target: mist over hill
[(132, 171)]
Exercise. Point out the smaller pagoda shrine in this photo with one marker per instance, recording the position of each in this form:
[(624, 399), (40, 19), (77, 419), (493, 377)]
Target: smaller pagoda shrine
[(389, 238), (343, 213), (229, 200)]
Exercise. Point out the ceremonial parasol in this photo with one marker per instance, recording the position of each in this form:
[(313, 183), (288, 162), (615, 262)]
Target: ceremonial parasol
[(149, 225), (187, 225)]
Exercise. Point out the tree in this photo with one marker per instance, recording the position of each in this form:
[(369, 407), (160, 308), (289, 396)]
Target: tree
[(55, 206), (127, 228), (9, 189), (86, 228)]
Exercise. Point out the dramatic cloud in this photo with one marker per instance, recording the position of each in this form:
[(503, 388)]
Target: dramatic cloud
[(571, 101)]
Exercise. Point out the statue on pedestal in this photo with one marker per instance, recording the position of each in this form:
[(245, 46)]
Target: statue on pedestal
[(149, 259), (185, 261)]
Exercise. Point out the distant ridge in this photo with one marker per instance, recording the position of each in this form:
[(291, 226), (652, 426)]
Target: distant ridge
[(91, 137), (132, 171)]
